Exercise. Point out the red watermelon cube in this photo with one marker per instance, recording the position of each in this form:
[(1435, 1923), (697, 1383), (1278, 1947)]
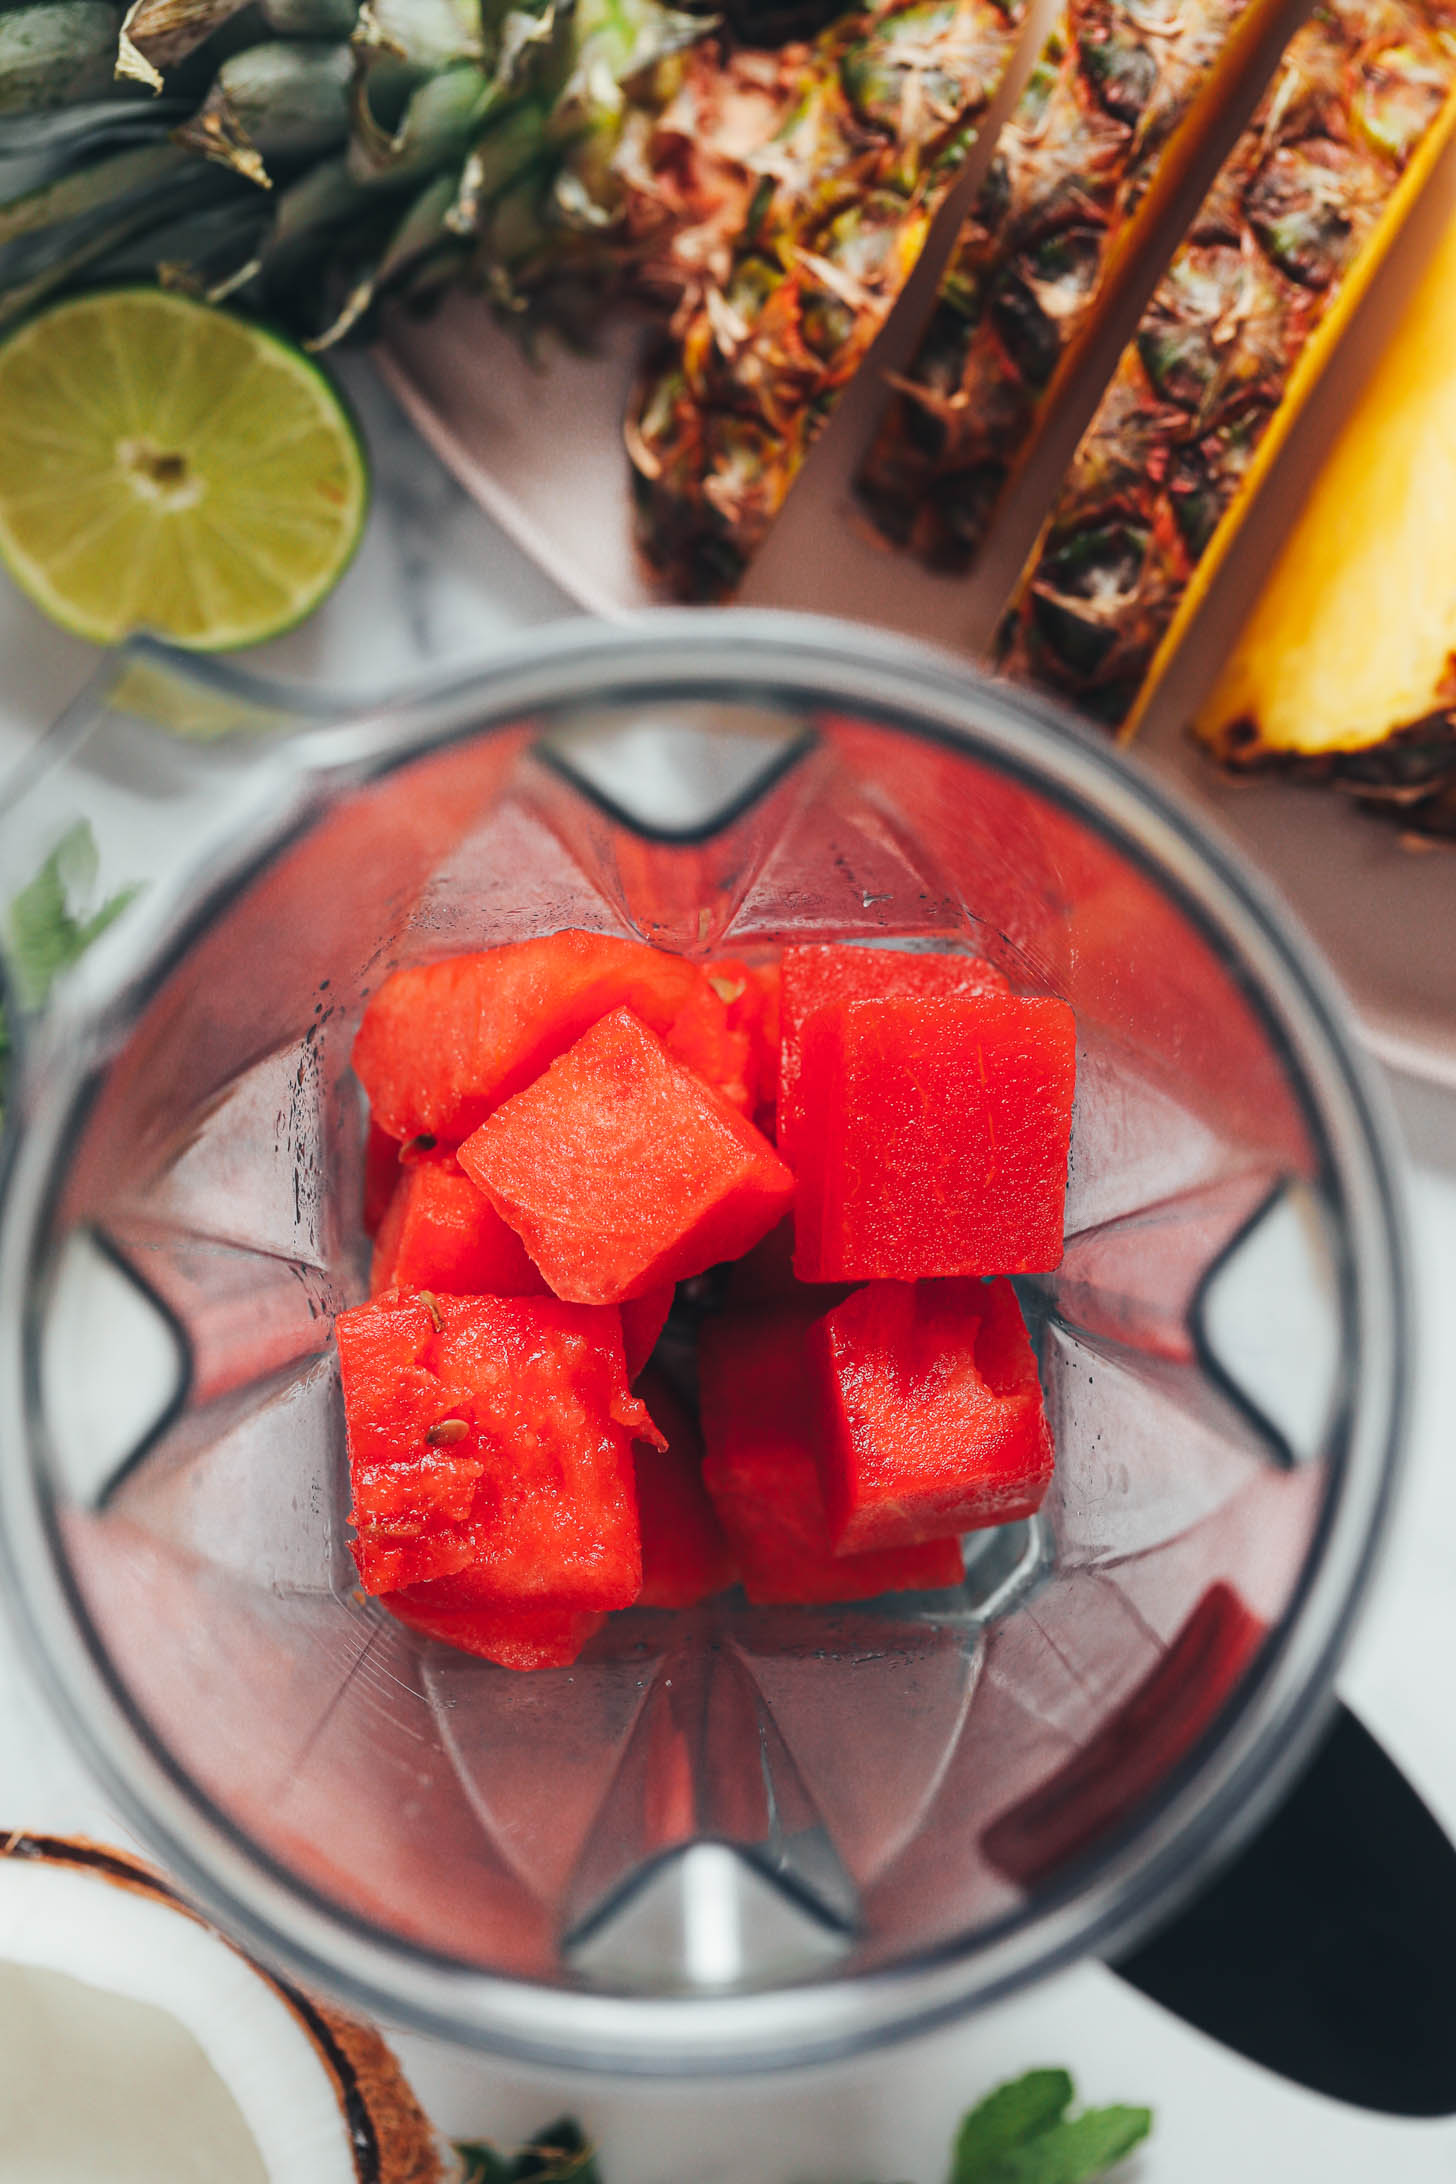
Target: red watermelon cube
[(442, 1044), (621, 1170), (718, 1033), (739, 1054), (643, 1319), (381, 1174), (761, 1471), (442, 1232), (685, 1557), (931, 1410), (506, 1632), (814, 976), (492, 1434), (766, 1276), (935, 1139)]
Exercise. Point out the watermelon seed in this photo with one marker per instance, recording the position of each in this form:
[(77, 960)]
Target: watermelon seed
[(446, 1431)]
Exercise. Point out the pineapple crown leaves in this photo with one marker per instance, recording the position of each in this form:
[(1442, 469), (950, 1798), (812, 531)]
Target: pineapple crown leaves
[(306, 157), (615, 41), (358, 150), (157, 34), (435, 129)]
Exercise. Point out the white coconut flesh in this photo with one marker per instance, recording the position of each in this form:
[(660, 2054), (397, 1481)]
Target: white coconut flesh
[(137, 2045), (95, 2084)]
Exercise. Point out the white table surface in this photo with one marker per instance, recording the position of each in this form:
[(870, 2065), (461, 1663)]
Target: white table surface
[(435, 584)]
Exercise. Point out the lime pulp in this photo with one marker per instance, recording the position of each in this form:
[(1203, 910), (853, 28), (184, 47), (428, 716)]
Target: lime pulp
[(170, 467)]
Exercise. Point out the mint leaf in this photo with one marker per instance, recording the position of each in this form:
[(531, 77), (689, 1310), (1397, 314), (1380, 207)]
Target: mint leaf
[(561, 2154), (483, 2164), (1075, 2150), (46, 932), (1005, 2120)]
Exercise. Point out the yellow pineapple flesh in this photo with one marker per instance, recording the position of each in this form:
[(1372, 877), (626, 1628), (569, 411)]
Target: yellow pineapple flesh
[(1347, 666)]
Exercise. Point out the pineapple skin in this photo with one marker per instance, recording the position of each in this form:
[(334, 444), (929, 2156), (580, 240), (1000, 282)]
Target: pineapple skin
[(1282, 248), (869, 125), (1346, 669), (667, 186), (1113, 108)]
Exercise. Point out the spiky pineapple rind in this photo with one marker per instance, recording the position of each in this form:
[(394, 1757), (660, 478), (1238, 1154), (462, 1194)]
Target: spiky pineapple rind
[(1409, 777), (872, 122), (1114, 110), (1284, 246)]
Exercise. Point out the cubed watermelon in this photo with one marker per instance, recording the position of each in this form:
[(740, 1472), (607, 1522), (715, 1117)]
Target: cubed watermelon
[(766, 1276), (506, 1632), (931, 1412), (442, 1232), (492, 1434), (769, 979), (936, 1138), (621, 1170), (760, 1470), (442, 1044), (643, 1319), (685, 1557), (714, 1037), (381, 1174), (414, 1490), (813, 976), (758, 1008), (736, 1050)]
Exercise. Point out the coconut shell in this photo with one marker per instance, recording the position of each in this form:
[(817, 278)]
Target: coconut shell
[(390, 2137)]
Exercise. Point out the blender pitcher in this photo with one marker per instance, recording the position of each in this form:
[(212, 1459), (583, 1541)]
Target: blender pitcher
[(730, 1836)]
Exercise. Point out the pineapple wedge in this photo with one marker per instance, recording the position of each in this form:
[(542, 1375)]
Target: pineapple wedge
[(1238, 330), (1121, 100), (1346, 670), (871, 124)]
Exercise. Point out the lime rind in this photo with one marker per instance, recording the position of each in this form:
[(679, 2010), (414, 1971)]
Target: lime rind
[(168, 466)]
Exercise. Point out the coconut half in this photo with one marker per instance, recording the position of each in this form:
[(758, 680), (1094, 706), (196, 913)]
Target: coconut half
[(136, 2043)]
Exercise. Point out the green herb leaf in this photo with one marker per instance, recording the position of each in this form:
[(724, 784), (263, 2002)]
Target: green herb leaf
[(483, 2164), (1076, 2150), (1020, 2134), (45, 930), (561, 2154), (1006, 2119)]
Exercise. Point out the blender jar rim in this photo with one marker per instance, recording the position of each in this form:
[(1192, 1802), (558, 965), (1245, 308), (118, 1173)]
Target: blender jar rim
[(1219, 1790)]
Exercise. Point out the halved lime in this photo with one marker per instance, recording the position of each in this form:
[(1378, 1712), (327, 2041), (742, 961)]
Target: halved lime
[(166, 466)]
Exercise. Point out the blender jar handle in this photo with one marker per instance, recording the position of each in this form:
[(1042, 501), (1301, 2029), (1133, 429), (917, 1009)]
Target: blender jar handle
[(1327, 1950)]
